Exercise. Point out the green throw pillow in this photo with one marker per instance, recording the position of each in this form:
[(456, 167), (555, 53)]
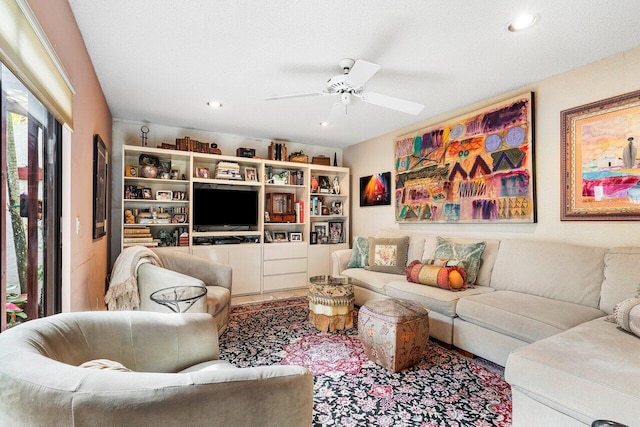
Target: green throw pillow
[(359, 254), (471, 254)]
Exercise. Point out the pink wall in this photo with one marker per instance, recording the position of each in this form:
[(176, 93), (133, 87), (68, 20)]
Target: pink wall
[(88, 258)]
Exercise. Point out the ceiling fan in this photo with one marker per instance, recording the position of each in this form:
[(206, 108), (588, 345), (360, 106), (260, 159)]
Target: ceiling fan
[(352, 83)]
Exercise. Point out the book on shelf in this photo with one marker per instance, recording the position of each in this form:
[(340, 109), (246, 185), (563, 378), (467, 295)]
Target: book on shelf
[(145, 244), (137, 239), (136, 230)]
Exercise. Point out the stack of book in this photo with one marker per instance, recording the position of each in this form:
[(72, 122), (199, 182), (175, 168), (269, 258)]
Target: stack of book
[(138, 236), (183, 240), (228, 170)]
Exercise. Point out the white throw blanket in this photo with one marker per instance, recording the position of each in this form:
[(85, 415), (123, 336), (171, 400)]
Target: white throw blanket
[(123, 288)]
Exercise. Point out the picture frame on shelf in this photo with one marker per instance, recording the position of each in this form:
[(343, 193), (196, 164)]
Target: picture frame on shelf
[(313, 238), (295, 236), (280, 236), (324, 185), (268, 238), (335, 231), (179, 218), (336, 208), (130, 192), (179, 195), (147, 194), (164, 195), (322, 228), (202, 172), (174, 174), (250, 174)]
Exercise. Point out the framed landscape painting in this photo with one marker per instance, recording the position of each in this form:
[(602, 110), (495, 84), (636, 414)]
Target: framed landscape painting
[(475, 168), (600, 167)]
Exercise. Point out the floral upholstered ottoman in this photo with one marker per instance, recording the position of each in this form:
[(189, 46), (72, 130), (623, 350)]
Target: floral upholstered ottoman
[(394, 332)]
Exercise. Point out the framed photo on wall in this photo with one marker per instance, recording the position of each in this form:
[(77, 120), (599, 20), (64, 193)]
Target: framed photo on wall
[(600, 166), (99, 187)]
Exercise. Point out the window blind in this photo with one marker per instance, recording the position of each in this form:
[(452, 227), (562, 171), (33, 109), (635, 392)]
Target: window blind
[(26, 51)]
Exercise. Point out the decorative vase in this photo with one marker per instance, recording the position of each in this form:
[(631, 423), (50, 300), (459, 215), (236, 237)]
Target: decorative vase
[(148, 171)]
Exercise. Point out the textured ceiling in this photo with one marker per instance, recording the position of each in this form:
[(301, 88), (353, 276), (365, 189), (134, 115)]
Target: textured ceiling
[(160, 61)]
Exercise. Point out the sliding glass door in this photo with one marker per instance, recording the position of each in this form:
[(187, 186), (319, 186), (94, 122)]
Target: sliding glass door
[(31, 199)]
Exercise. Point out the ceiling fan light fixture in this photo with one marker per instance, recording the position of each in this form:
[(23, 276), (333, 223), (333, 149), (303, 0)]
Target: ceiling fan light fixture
[(522, 22), (214, 104)]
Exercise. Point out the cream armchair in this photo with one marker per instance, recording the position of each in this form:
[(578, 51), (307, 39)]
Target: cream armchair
[(176, 378), (183, 269)]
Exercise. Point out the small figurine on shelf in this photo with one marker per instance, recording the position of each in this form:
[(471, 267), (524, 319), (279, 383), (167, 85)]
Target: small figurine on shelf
[(128, 217), (336, 185)]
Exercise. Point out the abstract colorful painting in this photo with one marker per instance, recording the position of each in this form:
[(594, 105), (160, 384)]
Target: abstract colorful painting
[(476, 168), (600, 167), (375, 189)]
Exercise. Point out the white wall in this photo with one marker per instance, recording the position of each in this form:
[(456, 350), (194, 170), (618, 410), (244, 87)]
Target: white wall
[(613, 76), (125, 132)]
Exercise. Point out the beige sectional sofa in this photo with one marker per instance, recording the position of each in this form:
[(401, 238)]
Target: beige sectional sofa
[(539, 309)]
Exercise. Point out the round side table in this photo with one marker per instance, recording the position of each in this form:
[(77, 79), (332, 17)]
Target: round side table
[(331, 303), (179, 299)]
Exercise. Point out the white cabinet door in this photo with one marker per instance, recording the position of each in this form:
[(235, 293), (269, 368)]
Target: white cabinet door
[(244, 260)]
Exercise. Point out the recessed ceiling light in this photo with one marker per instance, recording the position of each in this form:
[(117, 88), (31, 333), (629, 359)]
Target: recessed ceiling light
[(214, 104), (522, 22), (324, 124)]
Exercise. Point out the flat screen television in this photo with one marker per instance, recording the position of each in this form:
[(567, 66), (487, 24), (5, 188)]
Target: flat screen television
[(217, 208)]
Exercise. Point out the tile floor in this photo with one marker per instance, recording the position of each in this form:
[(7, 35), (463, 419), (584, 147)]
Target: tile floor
[(247, 299)]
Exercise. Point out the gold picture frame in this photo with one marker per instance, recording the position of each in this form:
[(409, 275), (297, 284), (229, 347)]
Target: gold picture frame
[(600, 167)]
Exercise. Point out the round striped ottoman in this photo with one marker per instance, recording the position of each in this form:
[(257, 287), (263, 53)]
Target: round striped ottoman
[(394, 333)]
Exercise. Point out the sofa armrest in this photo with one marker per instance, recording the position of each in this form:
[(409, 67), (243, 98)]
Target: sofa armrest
[(152, 278), (212, 273), (339, 261)]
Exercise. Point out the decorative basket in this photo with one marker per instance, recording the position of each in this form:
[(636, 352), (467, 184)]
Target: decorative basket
[(321, 160), (299, 158)]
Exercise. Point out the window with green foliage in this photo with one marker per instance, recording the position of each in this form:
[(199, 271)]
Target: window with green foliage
[(31, 180)]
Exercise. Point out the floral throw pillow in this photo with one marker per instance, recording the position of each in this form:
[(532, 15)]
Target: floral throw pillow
[(388, 255), (471, 254), (359, 254)]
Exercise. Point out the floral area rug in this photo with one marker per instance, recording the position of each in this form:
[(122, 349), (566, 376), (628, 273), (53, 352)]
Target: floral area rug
[(443, 389)]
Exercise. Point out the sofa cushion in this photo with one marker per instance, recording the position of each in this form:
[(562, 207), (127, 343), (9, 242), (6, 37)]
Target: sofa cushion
[(525, 317), (359, 253), (372, 280), (488, 255), (621, 277), (589, 371), (553, 270), (388, 255), (470, 253), (436, 299)]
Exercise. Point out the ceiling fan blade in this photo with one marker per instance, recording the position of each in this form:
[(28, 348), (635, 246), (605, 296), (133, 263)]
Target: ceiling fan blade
[(392, 103), (361, 72), (295, 95)]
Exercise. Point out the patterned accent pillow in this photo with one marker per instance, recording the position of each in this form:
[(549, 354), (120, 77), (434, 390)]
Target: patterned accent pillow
[(359, 254), (451, 278), (471, 254), (388, 255), (627, 315)]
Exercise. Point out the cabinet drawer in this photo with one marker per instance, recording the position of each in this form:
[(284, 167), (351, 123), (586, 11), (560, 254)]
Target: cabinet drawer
[(284, 281), (285, 266), (285, 250)]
